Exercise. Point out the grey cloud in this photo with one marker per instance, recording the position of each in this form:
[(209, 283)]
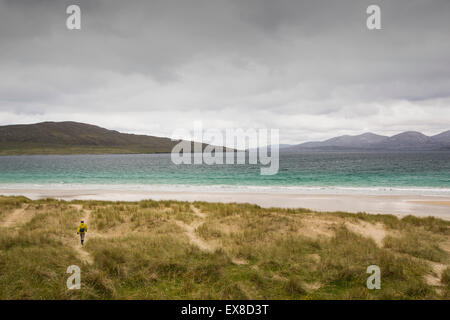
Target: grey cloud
[(284, 64)]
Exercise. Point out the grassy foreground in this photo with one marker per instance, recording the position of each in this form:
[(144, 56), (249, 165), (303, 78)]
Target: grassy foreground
[(178, 250)]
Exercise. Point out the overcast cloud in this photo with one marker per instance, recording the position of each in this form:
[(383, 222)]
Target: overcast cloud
[(309, 68)]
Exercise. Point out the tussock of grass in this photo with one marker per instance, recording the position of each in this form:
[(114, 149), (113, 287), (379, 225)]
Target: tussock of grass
[(295, 287), (417, 245), (445, 277), (429, 223), (209, 232)]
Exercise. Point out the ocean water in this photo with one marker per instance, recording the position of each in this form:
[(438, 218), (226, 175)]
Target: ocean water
[(420, 172)]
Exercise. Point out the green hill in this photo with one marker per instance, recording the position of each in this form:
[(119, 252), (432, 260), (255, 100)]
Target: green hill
[(76, 138)]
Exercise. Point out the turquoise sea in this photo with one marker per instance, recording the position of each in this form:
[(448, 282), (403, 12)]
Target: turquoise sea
[(414, 171)]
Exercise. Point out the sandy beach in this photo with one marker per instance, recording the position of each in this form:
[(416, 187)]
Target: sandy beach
[(400, 205)]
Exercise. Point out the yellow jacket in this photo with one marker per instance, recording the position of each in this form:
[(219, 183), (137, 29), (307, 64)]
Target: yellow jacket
[(82, 226)]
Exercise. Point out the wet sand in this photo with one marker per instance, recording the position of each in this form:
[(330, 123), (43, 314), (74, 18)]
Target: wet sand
[(400, 205)]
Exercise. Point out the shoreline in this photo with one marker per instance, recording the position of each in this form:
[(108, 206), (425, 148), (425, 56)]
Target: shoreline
[(396, 204)]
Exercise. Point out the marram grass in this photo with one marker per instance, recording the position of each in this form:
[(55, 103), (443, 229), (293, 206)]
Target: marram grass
[(177, 250)]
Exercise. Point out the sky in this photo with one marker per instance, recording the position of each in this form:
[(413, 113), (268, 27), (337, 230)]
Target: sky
[(311, 69)]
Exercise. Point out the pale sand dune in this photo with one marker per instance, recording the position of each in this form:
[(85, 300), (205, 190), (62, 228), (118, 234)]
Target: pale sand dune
[(377, 232), (418, 205)]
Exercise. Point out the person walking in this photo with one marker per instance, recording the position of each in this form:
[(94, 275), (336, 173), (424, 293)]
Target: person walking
[(82, 229)]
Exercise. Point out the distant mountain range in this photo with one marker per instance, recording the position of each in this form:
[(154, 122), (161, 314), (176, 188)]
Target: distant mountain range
[(405, 141), (76, 138), (81, 138)]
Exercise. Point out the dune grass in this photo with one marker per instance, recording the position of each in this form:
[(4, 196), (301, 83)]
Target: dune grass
[(177, 250)]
